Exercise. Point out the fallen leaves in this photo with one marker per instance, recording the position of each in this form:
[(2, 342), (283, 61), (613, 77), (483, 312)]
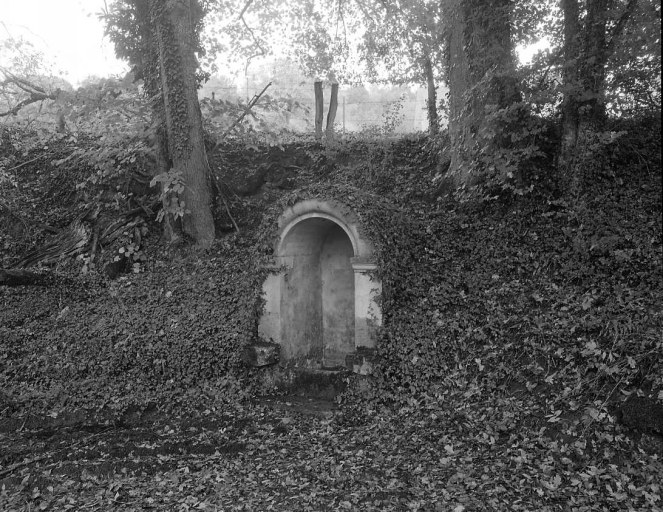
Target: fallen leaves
[(421, 460)]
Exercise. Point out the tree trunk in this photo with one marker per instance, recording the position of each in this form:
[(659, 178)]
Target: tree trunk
[(186, 148), (431, 104), (331, 115), (570, 112), (319, 112), (458, 73), (481, 78), (592, 68), (586, 53), (150, 71)]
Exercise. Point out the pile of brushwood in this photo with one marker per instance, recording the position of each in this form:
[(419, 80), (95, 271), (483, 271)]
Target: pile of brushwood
[(519, 366)]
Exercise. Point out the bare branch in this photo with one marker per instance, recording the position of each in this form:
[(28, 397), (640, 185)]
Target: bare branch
[(26, 86), (18, 81), (27, 101), (26, 163), (36, 92), (262, 52)]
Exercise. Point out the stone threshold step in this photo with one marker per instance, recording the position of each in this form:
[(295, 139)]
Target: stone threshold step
[(307, 382)]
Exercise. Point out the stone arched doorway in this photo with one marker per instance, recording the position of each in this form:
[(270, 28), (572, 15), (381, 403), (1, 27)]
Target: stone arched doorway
[(320, 300)]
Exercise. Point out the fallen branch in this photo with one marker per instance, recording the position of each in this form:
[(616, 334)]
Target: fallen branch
[(83, 234), (117, 228), (19, 465), (225, 203), (248, 108), (220, 193), (25, 163)]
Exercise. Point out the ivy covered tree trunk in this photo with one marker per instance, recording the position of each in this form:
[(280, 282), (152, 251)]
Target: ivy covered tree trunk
[(592, 69), (459, 81), (481, 79), (588, 44), (175, 42), (159, 38), (431, 103), (149, 70), (570, 112)]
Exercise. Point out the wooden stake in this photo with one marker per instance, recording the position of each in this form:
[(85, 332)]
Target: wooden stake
[(331, 115), (319, 113)]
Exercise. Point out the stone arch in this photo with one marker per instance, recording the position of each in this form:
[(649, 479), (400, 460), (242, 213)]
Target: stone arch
[(331, 210), (321, 297)]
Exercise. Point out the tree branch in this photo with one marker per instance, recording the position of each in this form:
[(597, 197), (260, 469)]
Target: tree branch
[(364, 9), (248, 4), (253, 36), (13, 111), (619, 27), (36, 92)]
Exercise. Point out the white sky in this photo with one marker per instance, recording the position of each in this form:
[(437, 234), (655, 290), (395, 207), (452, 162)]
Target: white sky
[(70, 35), (67, 32)]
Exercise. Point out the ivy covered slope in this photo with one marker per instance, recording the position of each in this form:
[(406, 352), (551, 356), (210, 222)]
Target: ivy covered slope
[(138, 323), (541, 294), (522, 335), (547, 295), (552, 296)]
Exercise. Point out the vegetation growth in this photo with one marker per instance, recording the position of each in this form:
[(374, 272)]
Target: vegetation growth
[(519, 249)]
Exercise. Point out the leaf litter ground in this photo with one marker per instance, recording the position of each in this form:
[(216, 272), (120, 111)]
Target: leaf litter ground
[(292, 454)]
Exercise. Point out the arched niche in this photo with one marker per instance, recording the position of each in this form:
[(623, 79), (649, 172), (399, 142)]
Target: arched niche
[(320, 299)]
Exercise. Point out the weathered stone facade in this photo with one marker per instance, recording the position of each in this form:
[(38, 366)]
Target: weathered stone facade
[(321, 296)]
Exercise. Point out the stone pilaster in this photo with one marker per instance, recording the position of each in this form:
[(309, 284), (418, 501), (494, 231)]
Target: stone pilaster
[(368, 316)]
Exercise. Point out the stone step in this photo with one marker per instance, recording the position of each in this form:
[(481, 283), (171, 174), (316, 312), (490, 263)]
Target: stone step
[(307, 382), (307, 406)]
